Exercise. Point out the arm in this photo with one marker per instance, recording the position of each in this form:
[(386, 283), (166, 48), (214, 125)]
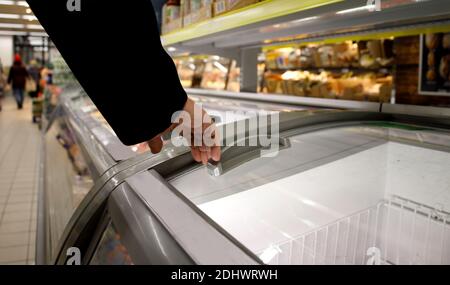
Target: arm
[(139, 102)]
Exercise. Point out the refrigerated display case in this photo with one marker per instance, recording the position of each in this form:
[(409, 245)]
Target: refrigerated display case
[(79, 148), (345, 187)]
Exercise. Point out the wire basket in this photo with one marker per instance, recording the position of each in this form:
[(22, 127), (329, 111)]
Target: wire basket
[(395, 231)]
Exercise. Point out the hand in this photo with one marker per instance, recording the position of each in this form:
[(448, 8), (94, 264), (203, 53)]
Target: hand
[(200, 153)]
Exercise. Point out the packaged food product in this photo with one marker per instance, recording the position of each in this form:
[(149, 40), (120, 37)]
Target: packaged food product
[(185, 7), (431, 59), (326, 54), (196, 5), (374, 48), (172, 11), (200, 10), (431, 75), (431, 41), (367, 60), (273, 83), (385, 92), (446, 41), (224, 6), (444, 67)]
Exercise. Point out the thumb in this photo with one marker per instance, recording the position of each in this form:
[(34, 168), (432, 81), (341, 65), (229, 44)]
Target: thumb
[(155, 144)]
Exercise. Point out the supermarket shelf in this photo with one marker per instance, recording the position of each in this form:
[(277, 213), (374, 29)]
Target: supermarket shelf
[(249, 15), (383, 69), (314, 21)]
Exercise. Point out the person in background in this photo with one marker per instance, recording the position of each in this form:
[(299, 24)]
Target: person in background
[(35, 73), (18, 75)]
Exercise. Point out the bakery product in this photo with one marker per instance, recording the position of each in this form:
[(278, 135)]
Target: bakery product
[(431, 41), (446, 41), (431, 75), (444, 67), (431, 59)]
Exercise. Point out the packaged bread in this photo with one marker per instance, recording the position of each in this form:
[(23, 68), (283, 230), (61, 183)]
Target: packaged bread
[(446, 41), (444, 67), (431, 41), (431, 75), (431, 59), (375, 48)]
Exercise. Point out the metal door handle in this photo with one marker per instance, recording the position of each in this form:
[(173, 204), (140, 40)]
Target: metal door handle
[(234, 156)]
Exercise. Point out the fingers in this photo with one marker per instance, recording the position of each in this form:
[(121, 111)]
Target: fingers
[(155, 144), (215, 153), (204, 155), (196, 154), (203, 135)]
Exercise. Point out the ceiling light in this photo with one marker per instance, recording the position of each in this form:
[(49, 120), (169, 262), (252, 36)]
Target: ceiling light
[(28, 10), (35, 27), (357, 9), (7, 3), (38, 34), (171, 49), (23, 3), (12, 26), (12, 33), (9, 16), (29, 17)]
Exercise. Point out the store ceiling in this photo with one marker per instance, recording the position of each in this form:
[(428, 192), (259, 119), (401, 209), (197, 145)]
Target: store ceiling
[(16, 18)]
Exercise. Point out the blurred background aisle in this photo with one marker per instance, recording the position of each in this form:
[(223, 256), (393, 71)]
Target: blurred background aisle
[(19, 145)]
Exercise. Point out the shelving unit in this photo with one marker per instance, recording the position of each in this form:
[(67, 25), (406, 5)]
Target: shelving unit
[(241, 34), (254, 14)]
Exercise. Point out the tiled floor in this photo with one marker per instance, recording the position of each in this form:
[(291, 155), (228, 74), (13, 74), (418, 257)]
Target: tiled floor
[(19, 151)]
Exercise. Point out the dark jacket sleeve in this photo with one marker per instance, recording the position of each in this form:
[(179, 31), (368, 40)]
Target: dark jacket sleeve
[(139, 100)]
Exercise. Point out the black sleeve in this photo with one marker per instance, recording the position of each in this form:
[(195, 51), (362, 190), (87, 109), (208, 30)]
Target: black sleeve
[(106, 36)]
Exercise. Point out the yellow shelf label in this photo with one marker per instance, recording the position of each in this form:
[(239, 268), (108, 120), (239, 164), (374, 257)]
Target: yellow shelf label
[(401, 32)]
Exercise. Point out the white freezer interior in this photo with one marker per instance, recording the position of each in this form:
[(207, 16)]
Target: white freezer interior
[(337, 197)]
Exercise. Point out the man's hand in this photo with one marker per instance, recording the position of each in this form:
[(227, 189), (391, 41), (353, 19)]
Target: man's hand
[(200, 153)]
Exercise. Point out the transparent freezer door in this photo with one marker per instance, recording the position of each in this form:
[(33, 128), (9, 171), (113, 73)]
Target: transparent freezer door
[(374, 193)]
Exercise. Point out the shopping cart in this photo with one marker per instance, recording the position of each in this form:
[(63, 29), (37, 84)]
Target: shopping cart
[(37, 107)]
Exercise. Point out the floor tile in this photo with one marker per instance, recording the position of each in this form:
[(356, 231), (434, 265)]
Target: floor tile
[(15, 227), (19, 155), (18, 207), (22, 262), (13, 254), (20, 199), (15, 217), (14, 239)]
